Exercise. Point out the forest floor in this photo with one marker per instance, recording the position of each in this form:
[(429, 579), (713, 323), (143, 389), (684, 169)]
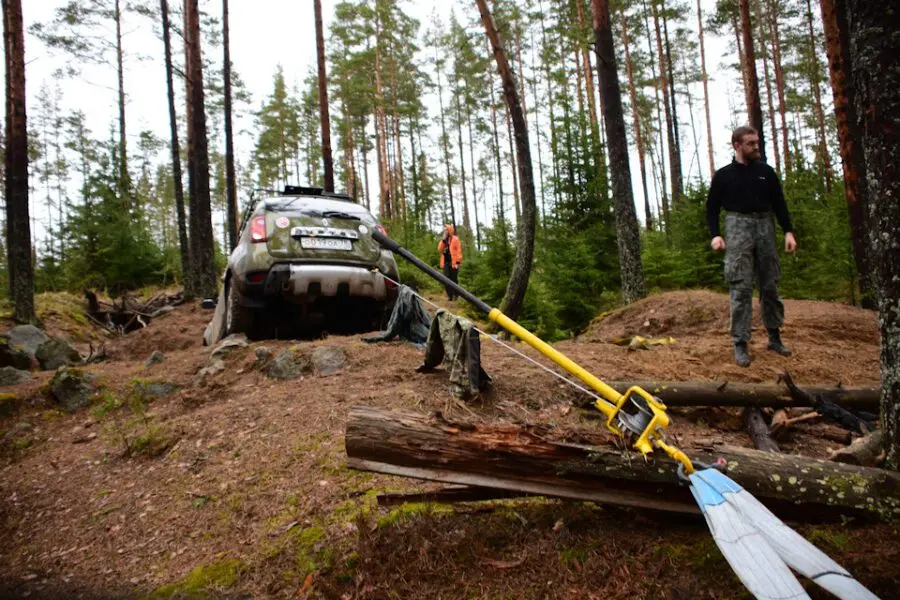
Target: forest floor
[(235, 485)]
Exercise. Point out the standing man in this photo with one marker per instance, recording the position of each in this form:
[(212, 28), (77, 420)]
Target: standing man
[(450, 250), (750, 192)]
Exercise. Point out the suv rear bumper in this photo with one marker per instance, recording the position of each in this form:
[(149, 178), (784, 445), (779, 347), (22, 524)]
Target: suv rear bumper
[(311, 281)]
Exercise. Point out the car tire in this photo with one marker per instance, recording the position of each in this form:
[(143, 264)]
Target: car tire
[(238, 319)]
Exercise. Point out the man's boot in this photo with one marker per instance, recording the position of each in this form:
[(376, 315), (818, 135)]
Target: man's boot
[(775, 344), (741, 357)]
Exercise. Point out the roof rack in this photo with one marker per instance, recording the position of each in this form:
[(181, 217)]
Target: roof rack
[(297, 190)]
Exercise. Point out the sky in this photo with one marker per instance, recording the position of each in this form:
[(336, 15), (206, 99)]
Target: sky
[(268, 33)]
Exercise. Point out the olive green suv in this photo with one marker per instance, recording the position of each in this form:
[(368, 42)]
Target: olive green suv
[(305, 254)]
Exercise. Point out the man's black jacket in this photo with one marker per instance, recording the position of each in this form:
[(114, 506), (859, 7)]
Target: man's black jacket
[(750, 188)]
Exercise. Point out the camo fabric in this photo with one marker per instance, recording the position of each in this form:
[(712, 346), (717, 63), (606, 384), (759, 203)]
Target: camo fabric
[(751, 254), (454, 343), (409, 320)]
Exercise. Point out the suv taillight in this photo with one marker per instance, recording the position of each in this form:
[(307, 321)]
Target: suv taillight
[(381, 229), (258, 229)]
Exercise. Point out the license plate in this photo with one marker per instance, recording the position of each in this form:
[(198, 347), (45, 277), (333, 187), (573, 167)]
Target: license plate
[(325, 243)]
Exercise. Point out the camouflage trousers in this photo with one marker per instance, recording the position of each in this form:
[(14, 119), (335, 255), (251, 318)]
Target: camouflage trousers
[(751, 255)]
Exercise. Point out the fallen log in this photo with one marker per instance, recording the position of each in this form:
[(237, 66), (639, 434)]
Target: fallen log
[(526, 459), (448, 494), (867, 451), (758, 430), (718, 393)]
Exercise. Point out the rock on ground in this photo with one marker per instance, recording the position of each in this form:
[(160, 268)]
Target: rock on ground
[(328, 359), (55, 353), (290, 364), (13, 376), (72, 388)]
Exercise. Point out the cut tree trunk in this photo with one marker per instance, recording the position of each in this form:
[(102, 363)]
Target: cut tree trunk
[(867, 451), (527, 460), (758, 430)]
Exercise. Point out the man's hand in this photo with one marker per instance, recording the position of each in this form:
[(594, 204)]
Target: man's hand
[(718, 243), (790, 244)]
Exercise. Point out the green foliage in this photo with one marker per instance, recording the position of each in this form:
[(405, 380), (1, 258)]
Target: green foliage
[(108, 247), (822, 267)]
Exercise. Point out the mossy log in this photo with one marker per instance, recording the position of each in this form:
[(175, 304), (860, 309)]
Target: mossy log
[(533, 460), (724, 393)]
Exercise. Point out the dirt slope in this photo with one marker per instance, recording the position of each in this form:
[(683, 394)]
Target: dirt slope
[(240, 491)]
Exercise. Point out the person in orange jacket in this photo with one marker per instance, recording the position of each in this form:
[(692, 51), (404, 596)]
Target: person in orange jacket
[(450, 250)]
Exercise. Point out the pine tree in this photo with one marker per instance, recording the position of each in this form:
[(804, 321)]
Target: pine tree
[(628, 234), (201, 239), (323, 99), (514, 297), (18, 226), (875, 72), (81, 28)]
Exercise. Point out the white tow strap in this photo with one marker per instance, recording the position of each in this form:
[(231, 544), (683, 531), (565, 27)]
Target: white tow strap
[(760, 548)]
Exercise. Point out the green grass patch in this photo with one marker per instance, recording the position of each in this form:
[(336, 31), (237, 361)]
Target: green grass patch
[(201, 583)]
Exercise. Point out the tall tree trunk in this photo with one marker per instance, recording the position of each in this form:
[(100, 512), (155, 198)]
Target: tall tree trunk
[(705, 75), (415, 177), (18, 224), (400, 195), (638, 137), (754, 108), (537, 129), (230, 178), (772, 13), (875, 69), (589, 78), (627, 232), (497, 159), (663, 83), (472, 164), (203, 254), (513, 166), (834, 18), (445, 143), (742, 60), (769, 99), (661, 158), (521, 70), (815, 70), (467, 226), (323, 99), (525, 229), (677, 176), (553, 140), (175, 147), (385, 199), (124, 182), (365, 161)]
